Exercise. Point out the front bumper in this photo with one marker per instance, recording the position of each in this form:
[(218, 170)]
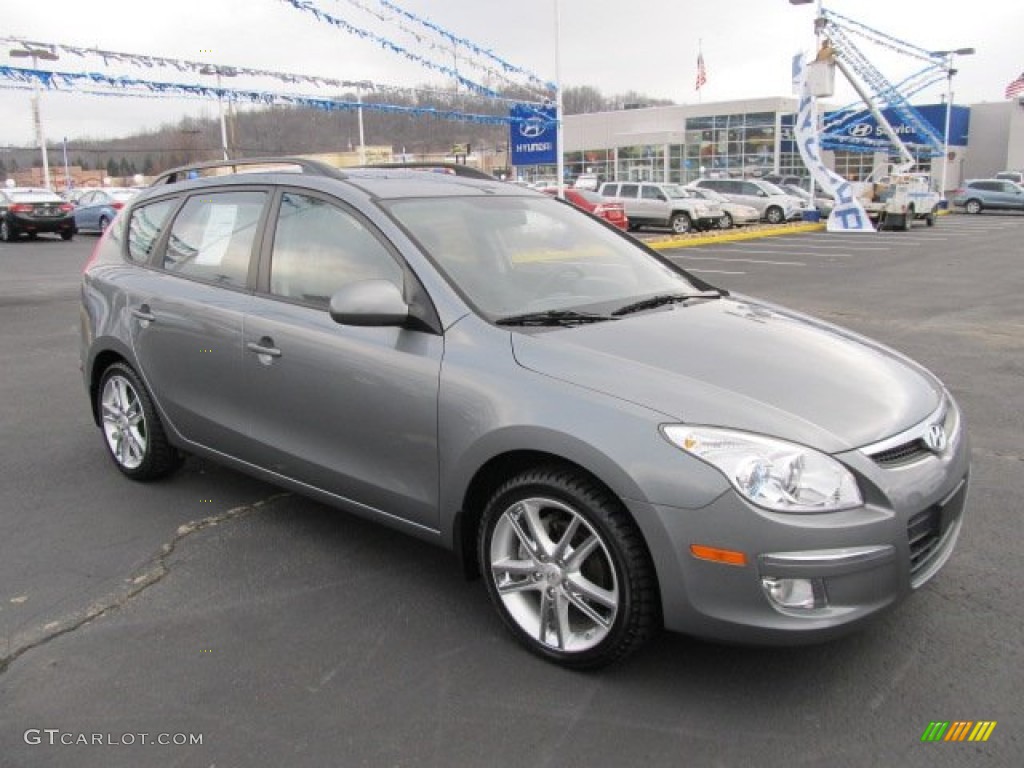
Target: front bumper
[(856, 562)]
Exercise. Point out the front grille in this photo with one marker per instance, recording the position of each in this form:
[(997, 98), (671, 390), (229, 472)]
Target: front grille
[(902, 454)]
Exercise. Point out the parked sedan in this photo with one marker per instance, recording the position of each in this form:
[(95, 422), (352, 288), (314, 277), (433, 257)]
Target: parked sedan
[(31, 211), (977, 195), (96, 209), (591, 202), (733, 214)]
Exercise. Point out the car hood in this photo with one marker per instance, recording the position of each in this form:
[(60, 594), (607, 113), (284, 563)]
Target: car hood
[(743, 364)]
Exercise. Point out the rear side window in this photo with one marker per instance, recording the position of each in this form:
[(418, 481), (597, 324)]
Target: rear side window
[(610, 190), (985, 186), (146, 226), (211, 239), (629, 190), (320, 247)]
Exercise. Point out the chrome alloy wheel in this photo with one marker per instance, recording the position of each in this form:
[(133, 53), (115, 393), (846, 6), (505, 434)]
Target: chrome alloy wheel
[(554, 574), (124, 422)]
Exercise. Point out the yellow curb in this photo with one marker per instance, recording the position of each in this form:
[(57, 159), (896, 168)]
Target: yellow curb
[(732, 237)]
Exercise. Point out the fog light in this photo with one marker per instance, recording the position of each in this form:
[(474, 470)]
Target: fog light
[(795, 594)]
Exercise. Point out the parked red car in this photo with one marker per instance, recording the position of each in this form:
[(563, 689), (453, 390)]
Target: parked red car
[(591, 202)]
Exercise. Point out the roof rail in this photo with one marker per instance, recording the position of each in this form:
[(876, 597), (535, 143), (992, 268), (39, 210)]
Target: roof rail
[(456, 169), (248, 165)]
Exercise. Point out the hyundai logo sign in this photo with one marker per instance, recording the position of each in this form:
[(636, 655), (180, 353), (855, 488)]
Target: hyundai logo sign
[(531, 128), (861, 130)]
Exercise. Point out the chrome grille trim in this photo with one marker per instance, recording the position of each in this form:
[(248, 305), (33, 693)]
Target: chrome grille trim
[(909, 446)]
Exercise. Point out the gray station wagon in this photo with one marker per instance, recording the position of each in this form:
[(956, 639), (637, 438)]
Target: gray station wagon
[(615, 445)]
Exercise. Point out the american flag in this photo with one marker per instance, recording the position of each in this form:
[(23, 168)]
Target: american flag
[(702, 73), (1014, 89)]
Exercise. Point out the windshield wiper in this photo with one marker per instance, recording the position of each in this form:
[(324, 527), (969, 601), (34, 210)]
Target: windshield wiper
[(564, 317), (661, 300)]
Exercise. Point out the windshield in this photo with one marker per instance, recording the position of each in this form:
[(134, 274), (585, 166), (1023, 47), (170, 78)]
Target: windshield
[(510, 255), (771, 189), (674, 191)]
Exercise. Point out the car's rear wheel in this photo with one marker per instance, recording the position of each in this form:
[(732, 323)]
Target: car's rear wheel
[(66, 234), (774, 215), (929, 219), (973, 206), (132, 430), (104, 223), (7, 232), (725, 222), (567, 568), (681, 223)]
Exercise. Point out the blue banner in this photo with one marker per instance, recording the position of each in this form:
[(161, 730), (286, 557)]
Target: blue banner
[(862, 126), (532, 135)]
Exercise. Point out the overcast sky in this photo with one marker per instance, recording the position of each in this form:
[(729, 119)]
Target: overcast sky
[(648, 46)]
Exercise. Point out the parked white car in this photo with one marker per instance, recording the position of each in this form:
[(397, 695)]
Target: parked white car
[(774, 205)]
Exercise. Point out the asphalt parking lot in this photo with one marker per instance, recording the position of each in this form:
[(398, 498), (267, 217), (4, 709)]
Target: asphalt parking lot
[(282, 633)]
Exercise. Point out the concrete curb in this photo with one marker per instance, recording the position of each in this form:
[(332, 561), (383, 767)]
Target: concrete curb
[(687, 241)]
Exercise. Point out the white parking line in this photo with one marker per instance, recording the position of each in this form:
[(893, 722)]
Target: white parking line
[(746, 261), (714, 272)]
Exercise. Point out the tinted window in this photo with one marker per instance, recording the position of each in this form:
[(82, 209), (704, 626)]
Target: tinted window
[(651, 193), (211, 239), (985, 186), (610, 190), (319, 247), (147, 224), (629, 190)]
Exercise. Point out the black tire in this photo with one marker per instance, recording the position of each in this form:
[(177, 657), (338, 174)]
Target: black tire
[(680, 223), (66, 234), (908, 220), (104, 223), (567, 569), (132, 431), (7, 233), (774, 215), (725, 222), (929, 219), (973, 206)]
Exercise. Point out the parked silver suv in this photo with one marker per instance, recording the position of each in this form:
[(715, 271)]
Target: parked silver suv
[(649, 203), (774, 204), (612, 443)]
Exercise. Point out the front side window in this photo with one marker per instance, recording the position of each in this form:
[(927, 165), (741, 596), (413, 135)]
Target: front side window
[(320, 247), (211, 239), (652, 193)]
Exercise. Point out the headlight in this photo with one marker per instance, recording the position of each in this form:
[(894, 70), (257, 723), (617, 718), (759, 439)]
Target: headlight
[(771, 473)]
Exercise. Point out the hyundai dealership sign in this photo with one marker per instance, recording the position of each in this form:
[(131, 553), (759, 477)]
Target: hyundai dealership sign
[(532, 135), (862, 125)]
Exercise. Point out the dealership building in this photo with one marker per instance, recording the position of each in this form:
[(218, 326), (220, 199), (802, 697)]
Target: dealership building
[(753, 137)]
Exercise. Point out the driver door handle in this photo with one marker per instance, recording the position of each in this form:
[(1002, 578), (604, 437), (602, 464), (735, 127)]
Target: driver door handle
[(265, 346)]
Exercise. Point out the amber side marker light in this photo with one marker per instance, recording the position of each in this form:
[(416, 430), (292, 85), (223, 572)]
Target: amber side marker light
[(716, 555)]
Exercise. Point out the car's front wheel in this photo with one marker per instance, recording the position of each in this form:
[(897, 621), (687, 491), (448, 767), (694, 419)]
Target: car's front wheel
[(973, 206), (7, 233), (725, 222), (774, 215), (681, 223), (567, 568), (132, 430)]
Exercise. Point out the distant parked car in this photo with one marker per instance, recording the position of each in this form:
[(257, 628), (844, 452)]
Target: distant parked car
[(998, 194), (663, 205), (775, 205), (823, 203), (96, 209), (31, 211), (591, 202), (589, 181), (733, 214)]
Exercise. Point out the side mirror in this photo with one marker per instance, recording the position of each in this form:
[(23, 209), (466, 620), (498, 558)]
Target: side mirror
[(369, 303), (762, 193)]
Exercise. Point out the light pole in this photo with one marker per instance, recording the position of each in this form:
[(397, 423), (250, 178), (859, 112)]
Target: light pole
[(559, 160), (28, 51), (948, 56), (213, 69)]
